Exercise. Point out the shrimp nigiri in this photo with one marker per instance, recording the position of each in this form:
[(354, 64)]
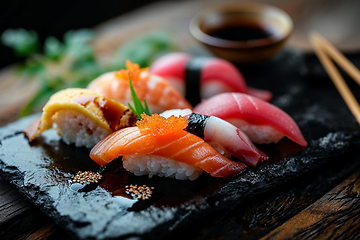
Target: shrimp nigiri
[(160, 146), (261, 121), (159, 94), (203, 77)]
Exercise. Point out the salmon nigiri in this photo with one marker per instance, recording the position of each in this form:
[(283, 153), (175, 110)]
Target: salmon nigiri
[(160, 146), (260, 120), (159, 94), (209, 74)]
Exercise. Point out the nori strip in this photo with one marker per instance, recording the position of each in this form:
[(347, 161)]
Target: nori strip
[(196, 124), (192, 79)]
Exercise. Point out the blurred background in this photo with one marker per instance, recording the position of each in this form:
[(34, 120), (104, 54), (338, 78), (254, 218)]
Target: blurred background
[(336, 19), (140, 30), (54, 18)]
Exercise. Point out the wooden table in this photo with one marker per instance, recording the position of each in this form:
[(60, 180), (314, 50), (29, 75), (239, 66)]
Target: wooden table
[(323, 207)]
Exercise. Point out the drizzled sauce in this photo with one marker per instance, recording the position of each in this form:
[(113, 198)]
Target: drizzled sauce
[(114, 180), (169, 192), (111, 111)]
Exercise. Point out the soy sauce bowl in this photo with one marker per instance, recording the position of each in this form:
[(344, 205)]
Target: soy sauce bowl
[(242, 33)]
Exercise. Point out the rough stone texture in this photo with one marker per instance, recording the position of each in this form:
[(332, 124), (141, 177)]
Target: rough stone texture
[(42, 170)]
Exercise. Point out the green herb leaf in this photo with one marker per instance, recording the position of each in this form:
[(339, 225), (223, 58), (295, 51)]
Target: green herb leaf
[(73, 62), (77, 44), (78, 37), (53, 48), (139, 109), (24, 43), (146, 110)]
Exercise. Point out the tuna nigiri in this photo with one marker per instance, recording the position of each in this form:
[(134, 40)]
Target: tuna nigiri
[(261, 121), (81, 116), (160, 146), (159, 94), (203, 77)]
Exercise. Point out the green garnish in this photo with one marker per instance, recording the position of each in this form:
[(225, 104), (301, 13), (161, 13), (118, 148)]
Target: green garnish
[(139, 108), (25, 43), (57, 64)]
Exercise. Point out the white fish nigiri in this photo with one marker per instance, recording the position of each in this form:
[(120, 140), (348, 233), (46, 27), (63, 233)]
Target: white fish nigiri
[(262, 122), (226, 138), (223, 136)]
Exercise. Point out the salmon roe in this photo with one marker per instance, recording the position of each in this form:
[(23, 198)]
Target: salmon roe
[(133, 69), (160, 125)]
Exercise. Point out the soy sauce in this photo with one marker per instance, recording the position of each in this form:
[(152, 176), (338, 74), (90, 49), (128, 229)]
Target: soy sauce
[(241, 33)]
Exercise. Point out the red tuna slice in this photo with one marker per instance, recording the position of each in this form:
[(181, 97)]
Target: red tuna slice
[(217, 75), (260, 120)]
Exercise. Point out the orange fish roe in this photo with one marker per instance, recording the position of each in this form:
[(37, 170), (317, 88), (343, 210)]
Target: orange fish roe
[(133, 69), (160, 125)]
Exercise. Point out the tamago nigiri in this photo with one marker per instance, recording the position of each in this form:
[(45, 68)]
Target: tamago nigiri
[(262, 122), (160, 146), (159, 94), (81, 116), (203, 77)]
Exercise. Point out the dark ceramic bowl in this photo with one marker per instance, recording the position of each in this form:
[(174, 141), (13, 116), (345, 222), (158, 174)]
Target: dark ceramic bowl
[(273, 22)]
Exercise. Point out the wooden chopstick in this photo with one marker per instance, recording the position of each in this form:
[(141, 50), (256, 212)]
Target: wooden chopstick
[(321, 47), (339, 58)]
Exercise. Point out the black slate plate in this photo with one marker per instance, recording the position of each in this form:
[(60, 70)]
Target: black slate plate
[(42, 170)]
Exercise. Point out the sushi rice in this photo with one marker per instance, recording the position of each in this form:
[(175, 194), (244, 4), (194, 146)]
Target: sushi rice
[(260, 134), (75, 127), (148, 164)]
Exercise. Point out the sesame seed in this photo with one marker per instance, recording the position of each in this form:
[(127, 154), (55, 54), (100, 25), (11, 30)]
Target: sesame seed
[(86, 177), (140, 192)]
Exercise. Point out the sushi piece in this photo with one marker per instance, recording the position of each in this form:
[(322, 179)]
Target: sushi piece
[(203, 77), (262, 122), (226, 138), (160, 146), (159, 94), (81, 116), (221, 135)]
